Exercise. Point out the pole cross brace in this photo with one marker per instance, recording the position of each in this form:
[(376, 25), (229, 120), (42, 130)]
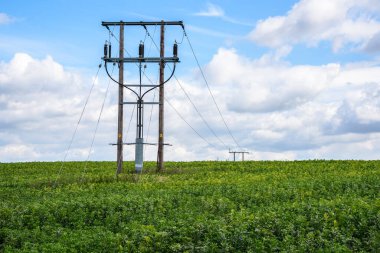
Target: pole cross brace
[(138, 59), (142, 85), (145, 103), (143, 23), (145, 143)]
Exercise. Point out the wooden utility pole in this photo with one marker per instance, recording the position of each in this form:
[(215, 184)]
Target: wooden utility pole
[(120, 106), (160, 153)]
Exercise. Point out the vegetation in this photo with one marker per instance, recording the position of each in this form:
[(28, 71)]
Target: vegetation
[(300, 206)]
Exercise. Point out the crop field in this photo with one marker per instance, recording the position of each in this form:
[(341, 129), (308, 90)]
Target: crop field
[(301, 206)]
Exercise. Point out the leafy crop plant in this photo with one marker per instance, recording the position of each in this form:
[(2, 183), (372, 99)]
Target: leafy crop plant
[(301, 206)]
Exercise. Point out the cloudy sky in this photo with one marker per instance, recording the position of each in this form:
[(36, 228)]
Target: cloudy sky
[(292, 79)]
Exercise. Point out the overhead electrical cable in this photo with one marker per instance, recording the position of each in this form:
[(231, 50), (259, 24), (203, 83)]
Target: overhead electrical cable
[(76, 128), (199, 113), (130, 120), (195, 131), (113, 35), (208, 87), (154, 92), (180, 116), (192, 103), (143, 73), (97, 126), (147, 77)]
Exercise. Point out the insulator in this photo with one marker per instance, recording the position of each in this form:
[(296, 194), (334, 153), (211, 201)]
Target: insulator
[(109, 51), (141, 50), (175, 50), (105, 50)]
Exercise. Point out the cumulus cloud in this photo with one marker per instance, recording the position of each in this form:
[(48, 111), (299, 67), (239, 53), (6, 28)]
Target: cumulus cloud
[(274, 109), (40, 103), (16, 152), (295, 109), (341, 22), (278, 110), (270, 88), (359, 111)]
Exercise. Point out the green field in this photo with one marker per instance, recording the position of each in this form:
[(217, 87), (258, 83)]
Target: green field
[(302, 206)]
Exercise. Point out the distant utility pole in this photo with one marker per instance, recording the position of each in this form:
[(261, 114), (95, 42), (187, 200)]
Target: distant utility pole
[(238, 152), (140, 90)]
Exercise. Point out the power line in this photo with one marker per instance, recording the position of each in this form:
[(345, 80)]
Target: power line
[(76, 128), (170, 104), (208, 87), (130, 120), (129, 125), (154, 92), (97, 125), (181, 117), (200, 115), (150, 117), (188, 123), (144, 74), (188, 97), (137, 65)]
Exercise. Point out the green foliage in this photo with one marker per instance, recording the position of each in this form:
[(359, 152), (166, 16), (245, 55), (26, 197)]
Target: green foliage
[(302, 206)]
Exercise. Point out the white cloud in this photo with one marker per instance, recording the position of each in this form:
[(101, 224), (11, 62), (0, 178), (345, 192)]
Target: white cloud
[(282, 156), (276, 110), (279, 111), (17, 152), (211, 11), (279, 108), (354, 149), (270, 88), (341, 22), (216, 11), (40, 103), (5, 19)]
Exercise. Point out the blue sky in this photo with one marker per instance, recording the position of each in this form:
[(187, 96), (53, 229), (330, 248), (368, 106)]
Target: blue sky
[(63, 28), (294, 79), (67, 30)]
